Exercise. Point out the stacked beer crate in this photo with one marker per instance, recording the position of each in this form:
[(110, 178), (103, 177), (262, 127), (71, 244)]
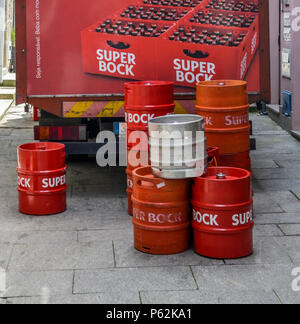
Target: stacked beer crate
[(184, 41)]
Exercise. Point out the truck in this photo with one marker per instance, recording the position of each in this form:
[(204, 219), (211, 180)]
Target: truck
[(73, 57)]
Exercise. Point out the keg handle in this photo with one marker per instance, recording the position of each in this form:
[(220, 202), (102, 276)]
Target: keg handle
[(157, 183)]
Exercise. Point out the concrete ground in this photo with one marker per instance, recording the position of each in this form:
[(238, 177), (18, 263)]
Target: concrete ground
[(86, 254)]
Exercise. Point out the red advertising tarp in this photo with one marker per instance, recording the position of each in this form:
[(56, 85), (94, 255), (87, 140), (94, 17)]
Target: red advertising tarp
[(93, 47)]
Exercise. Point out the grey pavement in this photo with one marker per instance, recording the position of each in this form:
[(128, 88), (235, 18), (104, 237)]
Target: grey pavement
[(86, 254)]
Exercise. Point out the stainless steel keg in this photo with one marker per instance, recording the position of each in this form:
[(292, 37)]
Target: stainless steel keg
[(178, 146)]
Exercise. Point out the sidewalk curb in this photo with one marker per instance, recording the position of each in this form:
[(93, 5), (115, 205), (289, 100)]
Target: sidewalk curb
[(296, 134), (4, 112)]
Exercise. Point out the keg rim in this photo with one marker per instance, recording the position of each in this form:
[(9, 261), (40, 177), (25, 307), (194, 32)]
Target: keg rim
[(242, 174), (149, 83), (158, 120), (222, 83), (34, 147)]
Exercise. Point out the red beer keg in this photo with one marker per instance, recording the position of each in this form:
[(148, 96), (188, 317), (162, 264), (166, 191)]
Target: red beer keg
[(223, 213)]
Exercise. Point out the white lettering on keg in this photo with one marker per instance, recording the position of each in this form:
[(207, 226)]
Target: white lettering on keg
[(206, 219), (24, 182), (139, 214), (208, 121), (137, 118), (53, 182), (190, 71), (116, 62), (243, 218), (237, 120), (164, 218), (160, 218)]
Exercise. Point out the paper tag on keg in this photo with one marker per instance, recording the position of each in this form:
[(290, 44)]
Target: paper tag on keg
[(161, 185)]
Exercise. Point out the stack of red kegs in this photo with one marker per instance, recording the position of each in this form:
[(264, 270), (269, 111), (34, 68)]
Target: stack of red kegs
[(225, 107), (143, 101)]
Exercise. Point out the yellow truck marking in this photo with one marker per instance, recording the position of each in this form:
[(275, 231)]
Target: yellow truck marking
[(79, 109), (109, 110)]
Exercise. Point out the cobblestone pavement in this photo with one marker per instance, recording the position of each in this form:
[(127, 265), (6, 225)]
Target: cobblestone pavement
[(86, 254)]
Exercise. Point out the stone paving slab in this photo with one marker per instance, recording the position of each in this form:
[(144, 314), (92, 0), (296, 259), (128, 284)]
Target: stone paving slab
[(290, 229), (113, 204), (62, 256), (276, 202), (245, 277), (280, 143), (207, 296), (288, 164), (292, 246), (8, 192), (276, 156), (296, 192), (5, 254), (275, 173), (279, 185), (103, 235), (5, 132), (20, 135), (267, 230), (5, 143), (266, 251), (38, 237), (265, 204), (288, 296), (270, 132), (8, 156), (263, 123), (87, 182), (38, 283), (134, 279), (263, 164), (287, 200), (14, 221), (278, 218), (80, 221), (98, 191), (127, 256), (94, 299)]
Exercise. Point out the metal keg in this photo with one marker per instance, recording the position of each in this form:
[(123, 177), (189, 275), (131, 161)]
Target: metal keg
[(178, 146), (161, 213), (223, 213), (42, 178), (143, 100), (225, 107)]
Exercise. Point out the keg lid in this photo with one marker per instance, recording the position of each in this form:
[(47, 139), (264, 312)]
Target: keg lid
[(173, 120)]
